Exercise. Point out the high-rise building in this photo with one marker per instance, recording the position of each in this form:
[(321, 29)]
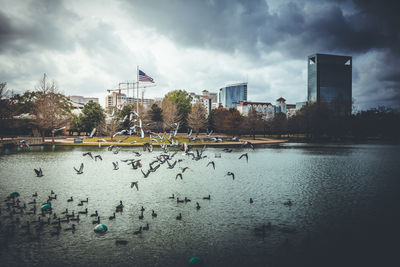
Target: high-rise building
[(330, 82), (231, 95)]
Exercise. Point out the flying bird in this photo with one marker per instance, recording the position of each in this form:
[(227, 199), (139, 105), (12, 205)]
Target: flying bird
[(212, 163), (133, 184), (247, 143), (39, 173), (88, 154), (171, 166), (184, 169), (232, 174), (115, 165), (145, 175), (98, 157), (80, 171), (245, 155), (179, 175)]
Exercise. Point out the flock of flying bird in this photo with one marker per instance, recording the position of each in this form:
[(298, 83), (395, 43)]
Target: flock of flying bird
[(15, 207)]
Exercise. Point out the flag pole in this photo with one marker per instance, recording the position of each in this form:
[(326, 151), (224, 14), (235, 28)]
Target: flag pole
[(137, 91)]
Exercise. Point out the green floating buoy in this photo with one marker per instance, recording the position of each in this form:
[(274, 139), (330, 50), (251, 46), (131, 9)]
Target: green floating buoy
[(54, 146), (30, 148), (46, 207), (101, 228), (19, 149), (14, 194), (6, 150), (195, 260), (41, 147)]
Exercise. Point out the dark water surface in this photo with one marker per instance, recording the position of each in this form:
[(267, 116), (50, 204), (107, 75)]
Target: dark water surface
[(345, 208)]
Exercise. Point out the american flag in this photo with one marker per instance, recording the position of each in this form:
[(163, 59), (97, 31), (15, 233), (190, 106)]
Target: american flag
[(144, 78)]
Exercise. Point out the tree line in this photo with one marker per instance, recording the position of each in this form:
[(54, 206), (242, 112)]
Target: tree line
[(50, 110)]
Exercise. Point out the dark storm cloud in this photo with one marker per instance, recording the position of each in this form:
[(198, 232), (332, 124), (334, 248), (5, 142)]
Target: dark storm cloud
[(30, 31), (41, 25), (294, 28)]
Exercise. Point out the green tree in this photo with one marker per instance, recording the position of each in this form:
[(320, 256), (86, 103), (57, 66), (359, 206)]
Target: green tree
[(211, 120), (23, 104), (182, 100), (76, 124), (124, 115), (155, 115), (93, 116)]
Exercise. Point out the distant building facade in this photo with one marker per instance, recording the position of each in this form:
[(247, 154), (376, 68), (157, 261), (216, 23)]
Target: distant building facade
[(231, 95), (112, 100), (266, 109), (83, 100), (209, 100), (330, 81)]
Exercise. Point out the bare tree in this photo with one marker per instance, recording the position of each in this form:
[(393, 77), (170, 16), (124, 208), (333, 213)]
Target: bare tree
[(52, 109), (110, 128), (5, 103), (198, 117), (170, 113), (253, 122)]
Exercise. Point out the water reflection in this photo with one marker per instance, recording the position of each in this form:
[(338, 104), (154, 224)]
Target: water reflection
[(340, 194)]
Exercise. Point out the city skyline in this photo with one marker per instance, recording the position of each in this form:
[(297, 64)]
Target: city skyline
[(88, 49)]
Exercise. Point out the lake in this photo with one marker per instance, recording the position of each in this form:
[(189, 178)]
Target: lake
[(344, 207)]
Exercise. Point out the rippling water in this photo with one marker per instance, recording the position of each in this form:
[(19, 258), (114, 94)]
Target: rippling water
[(344, 213)]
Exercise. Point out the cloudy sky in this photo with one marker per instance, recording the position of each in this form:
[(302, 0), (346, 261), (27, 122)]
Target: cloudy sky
[(200, 44)]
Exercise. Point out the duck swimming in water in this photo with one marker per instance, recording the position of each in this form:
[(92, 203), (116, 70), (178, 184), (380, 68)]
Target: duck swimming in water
[(153, 214), (138, 232), (95, 214), (71, 228), (141, 216)]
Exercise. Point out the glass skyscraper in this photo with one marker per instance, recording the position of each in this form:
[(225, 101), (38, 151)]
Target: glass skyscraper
[(231, 95), (330, 82)]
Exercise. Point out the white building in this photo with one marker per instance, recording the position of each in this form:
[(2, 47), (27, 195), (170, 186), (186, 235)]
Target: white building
[(112, 100), (266, 109), (209, 100), (83, 100)]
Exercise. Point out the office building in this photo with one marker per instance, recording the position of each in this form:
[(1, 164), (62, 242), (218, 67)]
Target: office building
[(231, 95), (330, 81)]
